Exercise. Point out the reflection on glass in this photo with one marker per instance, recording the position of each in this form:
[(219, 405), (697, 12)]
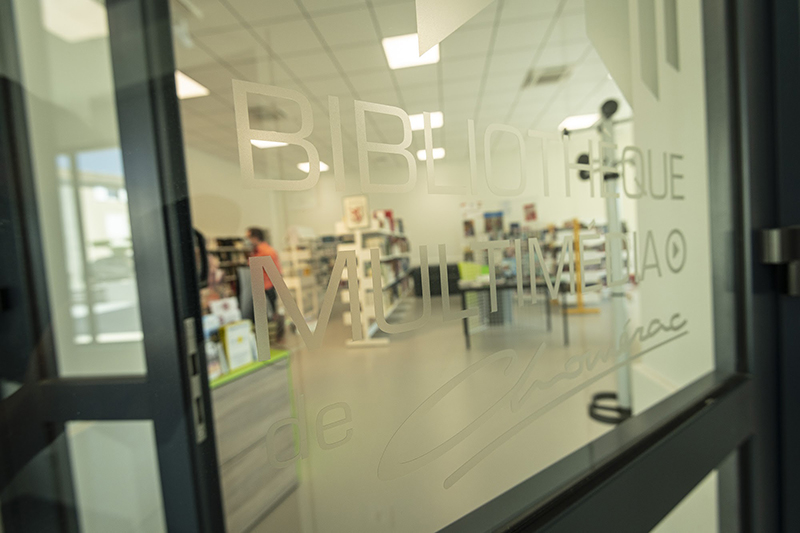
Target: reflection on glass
[(81, 198), (99, 251), (115, 476)]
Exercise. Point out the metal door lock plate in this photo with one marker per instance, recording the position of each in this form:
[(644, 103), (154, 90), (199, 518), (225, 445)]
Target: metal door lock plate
[(781, 246)]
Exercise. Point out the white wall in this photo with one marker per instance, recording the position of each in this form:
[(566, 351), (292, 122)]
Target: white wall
[(437, 219), (676, 122), (222, 207)]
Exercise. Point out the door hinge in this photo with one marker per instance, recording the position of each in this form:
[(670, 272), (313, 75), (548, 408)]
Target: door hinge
[(195, 377), (781, 246)]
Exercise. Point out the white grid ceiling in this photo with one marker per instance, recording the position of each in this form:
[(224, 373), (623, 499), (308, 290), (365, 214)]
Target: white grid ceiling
[(333, 47)]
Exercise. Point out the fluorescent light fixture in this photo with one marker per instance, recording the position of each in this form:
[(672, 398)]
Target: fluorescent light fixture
[(266, 144), (402, 51), (418, 122), (187, 87), (75, 20), (438, 153), (305, 167), (579, 122)]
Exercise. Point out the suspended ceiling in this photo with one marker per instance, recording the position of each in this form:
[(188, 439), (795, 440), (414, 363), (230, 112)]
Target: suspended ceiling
[(488, 70)]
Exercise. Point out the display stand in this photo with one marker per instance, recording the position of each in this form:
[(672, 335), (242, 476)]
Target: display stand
[(580, 308), (604, 401), (395, 274), (623, 409), (553, 245)]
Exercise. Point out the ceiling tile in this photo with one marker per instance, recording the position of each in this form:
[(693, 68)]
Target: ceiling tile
[(207, 106), (504, 82), (563, 54), (347, 28), (422, 75), (381, 96), (313, 6), (235, 46), (589, 70), (292, 37), (373, 81), (397, 19), (361, 57), (466, 67), (189, 57), (259, 11), (217, 81), (469, 42), (571, 26), (311, 66), (460, 89), (333, 86), (421, 98), (215, 16), (520, 34), (517, 61), (483, 18)]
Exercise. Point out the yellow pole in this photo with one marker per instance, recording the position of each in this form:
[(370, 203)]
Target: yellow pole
[(579, 309)]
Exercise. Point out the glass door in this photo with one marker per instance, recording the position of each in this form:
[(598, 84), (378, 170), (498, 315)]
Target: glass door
[(501, 244), (387, 265), (104, 402)]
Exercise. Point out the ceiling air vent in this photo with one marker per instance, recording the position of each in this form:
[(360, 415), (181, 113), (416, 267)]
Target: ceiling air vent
[(545, 75)]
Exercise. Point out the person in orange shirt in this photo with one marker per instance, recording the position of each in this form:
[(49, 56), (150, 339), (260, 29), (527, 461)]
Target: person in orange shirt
[(260, 249)]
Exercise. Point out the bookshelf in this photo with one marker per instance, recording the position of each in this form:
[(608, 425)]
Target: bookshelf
[(231, 253), (394, 264)]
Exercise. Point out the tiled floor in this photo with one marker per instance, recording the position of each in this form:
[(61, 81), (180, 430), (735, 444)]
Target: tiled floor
[(416, 467)]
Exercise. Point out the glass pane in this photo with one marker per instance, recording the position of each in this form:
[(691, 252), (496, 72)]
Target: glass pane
[(98, 475), (115, 476), (464, 297), (37, 495), (80, 185)]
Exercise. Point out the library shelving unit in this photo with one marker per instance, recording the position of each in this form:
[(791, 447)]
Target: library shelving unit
[(301, 263), (395, 275), (593, 249), (232, 253)]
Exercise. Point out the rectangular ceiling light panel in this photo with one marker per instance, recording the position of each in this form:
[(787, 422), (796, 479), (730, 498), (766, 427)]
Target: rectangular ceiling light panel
[(305, 167), (266, 144), (188, 88), (579, 122), (438, 153), (402, 51), (418, 122)]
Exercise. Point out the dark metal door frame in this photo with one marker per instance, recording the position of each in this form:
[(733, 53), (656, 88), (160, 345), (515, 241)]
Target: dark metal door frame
[(786, 43), (152, 150)]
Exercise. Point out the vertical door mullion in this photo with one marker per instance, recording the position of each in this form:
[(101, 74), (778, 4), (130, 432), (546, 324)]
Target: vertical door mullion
[(786, 42), (152, 152), (755, 55)]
